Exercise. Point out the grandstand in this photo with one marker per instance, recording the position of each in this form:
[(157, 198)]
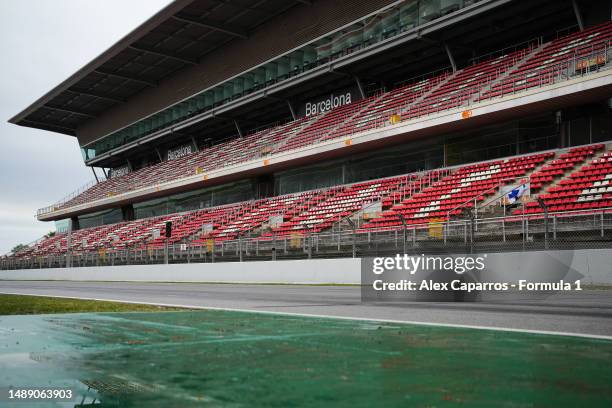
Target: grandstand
[(385, 125)]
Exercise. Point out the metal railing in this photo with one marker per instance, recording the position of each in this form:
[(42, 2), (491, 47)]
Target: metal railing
[(483, 194), (409, 185), (560, 230), (59, 204)]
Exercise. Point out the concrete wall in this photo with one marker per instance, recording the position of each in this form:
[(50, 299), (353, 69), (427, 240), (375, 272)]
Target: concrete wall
[(591, 266), (346, 270)]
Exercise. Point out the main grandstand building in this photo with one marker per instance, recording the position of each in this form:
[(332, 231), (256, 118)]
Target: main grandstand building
[(252, 126)]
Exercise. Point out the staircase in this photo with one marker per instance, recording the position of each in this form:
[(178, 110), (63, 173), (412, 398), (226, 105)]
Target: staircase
[(570, 170), (522, 61), (276, 148), (429, 92), (494, 209), (365, 107)]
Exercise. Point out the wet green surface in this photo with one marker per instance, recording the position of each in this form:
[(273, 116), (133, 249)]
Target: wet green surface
[(215, 358)]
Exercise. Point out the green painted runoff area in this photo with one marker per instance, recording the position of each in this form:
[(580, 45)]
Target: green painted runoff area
[(235, 359)]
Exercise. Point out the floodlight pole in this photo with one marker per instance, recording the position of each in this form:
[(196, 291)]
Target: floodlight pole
[(308, 239), (472, 228), (544, 207), (166, 251), (240, 247), (274, 246), (69, 245), (352, 224), (405, 235)]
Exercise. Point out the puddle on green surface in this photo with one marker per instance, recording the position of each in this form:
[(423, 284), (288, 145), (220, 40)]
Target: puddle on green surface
[(217, 358)]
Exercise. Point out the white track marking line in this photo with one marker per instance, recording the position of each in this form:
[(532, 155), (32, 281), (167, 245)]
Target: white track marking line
[(366, 319)]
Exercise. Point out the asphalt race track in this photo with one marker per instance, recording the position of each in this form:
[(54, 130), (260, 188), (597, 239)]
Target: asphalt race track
[(588, 312)]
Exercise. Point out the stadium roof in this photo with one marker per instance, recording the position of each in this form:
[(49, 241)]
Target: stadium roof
[(176, 37)]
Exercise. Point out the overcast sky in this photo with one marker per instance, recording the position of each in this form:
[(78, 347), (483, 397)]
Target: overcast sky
[(42, 42)]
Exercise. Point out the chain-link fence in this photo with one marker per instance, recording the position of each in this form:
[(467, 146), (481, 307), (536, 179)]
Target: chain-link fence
[(567, 230)]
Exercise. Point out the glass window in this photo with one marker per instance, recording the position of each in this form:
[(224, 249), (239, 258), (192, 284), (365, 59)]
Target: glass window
[(369, 30), (448, 6), (296, 60), (97, 219), (259, 76), (304, 179), (390, 22), (62, 225), (372, 30), (248, 82), (602, 127), (209, 98), (409, 15), (218, 94), (310, 56), (193, 200), (430, 10), (152, 208), (271, 71), (283, 68), (579, 131), (238, 86), (323, 49)]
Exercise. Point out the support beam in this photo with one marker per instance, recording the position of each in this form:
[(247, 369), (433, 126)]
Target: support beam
[(129, 164), (359, 86), (95, 175), (238, 128), (457, 46), (578, 14), (444, 152), (159, 155), (126, 77), (163, 54), (95, 95), (450, 57), (215, 26), (71, 111), (287, 101), (195, 144), (106, 173), (293, 115)]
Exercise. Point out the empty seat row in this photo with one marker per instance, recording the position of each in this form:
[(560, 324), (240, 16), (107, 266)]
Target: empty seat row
[(559, 166), (589, 187), (457, 191)]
